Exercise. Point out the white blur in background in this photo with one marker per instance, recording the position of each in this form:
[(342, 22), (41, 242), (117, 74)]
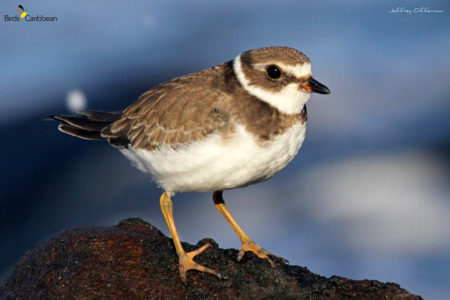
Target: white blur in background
[(390, 204), (76, 100)]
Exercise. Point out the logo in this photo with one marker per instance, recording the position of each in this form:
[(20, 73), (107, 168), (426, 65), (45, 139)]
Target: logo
[(21, 12), (23, 15)]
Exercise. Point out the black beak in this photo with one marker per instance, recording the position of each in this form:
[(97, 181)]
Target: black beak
[(317, 87)]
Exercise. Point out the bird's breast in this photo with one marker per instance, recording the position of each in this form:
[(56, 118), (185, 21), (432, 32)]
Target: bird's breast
[(219, 162)]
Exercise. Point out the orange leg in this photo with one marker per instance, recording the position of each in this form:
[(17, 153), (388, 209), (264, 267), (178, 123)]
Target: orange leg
[(186, 260), (247, 243)]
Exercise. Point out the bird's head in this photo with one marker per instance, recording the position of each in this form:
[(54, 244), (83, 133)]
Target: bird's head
[(280, 76)]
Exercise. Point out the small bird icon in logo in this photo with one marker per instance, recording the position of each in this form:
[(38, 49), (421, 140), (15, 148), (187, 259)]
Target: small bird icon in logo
[(21, 12)]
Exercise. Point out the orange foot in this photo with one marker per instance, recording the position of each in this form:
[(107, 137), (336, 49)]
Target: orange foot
[(249, 245), (187, 263)]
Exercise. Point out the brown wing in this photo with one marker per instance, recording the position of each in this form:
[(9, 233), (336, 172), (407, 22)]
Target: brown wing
[(181, 111)]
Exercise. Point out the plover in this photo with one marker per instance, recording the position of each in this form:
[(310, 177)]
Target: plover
[(229, 126)]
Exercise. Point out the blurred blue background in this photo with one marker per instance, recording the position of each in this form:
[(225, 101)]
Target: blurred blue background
[(368, 194)]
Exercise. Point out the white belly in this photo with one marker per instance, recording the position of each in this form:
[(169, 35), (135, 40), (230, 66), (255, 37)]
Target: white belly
[(218, 164)]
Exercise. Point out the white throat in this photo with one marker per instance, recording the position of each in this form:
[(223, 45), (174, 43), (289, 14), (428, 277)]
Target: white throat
[(289, 100)]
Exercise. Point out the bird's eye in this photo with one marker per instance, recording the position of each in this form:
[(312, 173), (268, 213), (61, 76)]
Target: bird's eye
[(273, 72)]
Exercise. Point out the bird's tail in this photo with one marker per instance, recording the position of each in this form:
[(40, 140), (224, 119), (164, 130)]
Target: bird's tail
[(87, 124)]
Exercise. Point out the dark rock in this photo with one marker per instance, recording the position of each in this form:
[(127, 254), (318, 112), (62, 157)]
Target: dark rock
[(134, 260)]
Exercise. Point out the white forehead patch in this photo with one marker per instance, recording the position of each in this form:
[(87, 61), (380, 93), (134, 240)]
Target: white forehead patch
[(289, 100), (299, 70)]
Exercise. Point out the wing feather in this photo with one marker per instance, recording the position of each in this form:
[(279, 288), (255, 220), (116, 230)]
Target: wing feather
[(179, 112)]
